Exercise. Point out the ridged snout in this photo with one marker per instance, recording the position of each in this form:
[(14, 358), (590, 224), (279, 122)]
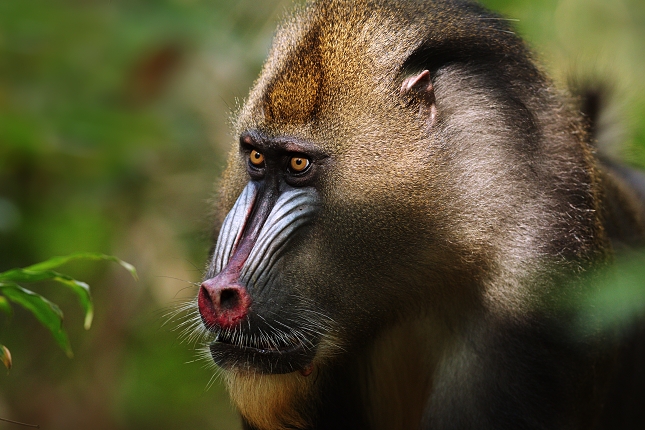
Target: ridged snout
[(254, 236)]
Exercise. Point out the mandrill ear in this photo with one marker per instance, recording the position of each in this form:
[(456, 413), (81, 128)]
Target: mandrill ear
[(419, 88)]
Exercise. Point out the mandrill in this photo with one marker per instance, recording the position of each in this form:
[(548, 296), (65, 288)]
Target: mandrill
[(407, 209)]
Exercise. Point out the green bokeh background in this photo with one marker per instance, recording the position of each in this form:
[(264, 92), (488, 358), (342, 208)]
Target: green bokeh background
[(114, 127)]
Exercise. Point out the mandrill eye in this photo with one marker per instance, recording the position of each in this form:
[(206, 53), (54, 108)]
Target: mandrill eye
[(256, 158), (299, 164)]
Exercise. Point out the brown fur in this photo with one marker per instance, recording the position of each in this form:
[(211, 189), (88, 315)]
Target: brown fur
[(442, 245)]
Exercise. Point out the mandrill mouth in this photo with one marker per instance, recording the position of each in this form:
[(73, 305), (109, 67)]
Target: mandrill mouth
[(264, 353), (245, 340)]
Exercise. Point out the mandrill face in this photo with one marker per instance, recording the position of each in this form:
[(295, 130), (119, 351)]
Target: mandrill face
[(294, 278), (259, 318)]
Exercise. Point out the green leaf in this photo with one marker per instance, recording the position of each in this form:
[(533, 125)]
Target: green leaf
[(58, 261), (5, 357), (5, 306), (81, 289), (45, 311)]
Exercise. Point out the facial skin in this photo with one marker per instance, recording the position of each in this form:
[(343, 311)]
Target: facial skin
[(276, 205)]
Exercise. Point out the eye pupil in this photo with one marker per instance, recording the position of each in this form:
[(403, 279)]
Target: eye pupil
[(256, 158), (299, 164)]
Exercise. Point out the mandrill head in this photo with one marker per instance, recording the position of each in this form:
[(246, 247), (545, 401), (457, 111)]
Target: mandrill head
[(331, 213), (389, 168)]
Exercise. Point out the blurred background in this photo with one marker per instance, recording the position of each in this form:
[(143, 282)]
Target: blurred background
[(113, 129)]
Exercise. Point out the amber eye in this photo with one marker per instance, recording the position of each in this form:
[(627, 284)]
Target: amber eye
[(299, 164), (256, 158)]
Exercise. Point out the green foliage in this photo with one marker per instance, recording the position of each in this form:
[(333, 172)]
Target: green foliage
[(105, 146), (113, 115), (5, 357), (615, 296), (48, 313)]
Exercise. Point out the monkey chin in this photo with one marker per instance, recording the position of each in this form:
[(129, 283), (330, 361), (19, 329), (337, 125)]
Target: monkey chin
[(270, 387), (271, 402), (268, 361)]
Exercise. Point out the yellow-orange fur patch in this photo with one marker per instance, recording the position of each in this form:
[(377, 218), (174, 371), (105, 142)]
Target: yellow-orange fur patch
[(271, 402)]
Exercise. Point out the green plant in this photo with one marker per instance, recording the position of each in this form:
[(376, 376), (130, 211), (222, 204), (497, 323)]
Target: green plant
[(45, 311)]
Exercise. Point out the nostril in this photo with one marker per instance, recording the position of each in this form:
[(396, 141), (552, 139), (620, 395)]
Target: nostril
[(229, 298)]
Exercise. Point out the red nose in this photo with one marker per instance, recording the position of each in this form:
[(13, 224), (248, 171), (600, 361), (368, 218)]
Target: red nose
[(222, 304)]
